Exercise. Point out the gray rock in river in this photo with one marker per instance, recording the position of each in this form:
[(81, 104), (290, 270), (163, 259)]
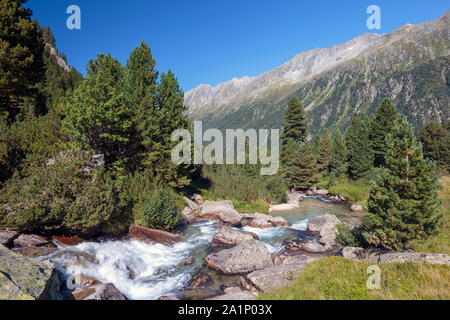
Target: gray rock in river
[(248, 256), (23, 278), (222, 211), (276, 277), (316, 224), (230, 236)]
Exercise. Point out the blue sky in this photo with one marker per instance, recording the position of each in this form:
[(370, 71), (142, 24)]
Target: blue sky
[(212, 41)]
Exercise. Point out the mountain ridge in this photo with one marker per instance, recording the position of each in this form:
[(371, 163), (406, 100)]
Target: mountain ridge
[(370, 60)]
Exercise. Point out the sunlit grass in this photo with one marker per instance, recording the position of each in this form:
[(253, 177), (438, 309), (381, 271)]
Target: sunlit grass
[(336, 278)]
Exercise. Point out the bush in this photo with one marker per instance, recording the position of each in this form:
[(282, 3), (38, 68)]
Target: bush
[(158, 210), (349, 237), (62, 198)]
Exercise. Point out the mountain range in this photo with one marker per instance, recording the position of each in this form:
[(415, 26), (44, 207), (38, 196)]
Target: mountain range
[(409, 65)]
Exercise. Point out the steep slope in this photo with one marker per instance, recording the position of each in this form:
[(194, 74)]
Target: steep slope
[(409, 65)]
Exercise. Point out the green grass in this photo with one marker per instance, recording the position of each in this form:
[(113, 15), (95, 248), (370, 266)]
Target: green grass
[(242, 206), (440, 243), (336, 278), (353, 190), (260, 206)]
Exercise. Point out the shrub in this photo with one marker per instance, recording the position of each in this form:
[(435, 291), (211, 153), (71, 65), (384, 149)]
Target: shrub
[(158, 210), (349, 237), (62, 197)]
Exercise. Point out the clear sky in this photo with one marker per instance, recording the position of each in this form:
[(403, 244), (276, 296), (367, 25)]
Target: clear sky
[(212, 41)]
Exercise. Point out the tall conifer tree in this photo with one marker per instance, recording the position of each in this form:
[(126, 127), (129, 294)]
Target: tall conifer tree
[(21, 62), (338, 164), (295, 124), (360, 156), (403, 203), (324, 157), (381, 125)]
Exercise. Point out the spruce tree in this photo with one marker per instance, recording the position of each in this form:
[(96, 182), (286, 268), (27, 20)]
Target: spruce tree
[(295, 122), (381, 125), (300, 169), (435, 140), (338, 165), (97, 113), (359, 151), (21, 62), (403, 204), (324, 149)]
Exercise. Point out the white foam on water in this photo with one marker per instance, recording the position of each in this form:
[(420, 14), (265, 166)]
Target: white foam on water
[(273, 248), (266, 233), (300, 225), (156, 265)]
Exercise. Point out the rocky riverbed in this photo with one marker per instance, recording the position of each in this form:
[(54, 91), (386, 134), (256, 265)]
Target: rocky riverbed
[(219, 254)]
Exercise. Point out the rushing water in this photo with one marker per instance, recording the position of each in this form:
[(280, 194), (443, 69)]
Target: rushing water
[(147, 271)]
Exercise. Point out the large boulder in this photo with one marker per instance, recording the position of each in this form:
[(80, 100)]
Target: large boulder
[(7, 237), (259, 220), (276, 277), (233, 237), (30, 240), (313, 247), (316, 224), (222, 211), (248, 256), (328, 234), (153, 235), (23, 278)]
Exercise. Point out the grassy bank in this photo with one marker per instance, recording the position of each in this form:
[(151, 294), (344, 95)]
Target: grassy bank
[(353, 190), (336, 278)]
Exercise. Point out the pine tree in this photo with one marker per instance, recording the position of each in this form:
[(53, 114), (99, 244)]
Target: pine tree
[(381, 125), (141, 81), (338, 165), (324, 149), (300, 169), (403, 203), (169, 110), (295, 122), (21, 47), (97, 113), (359, 151), (435, 140)]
